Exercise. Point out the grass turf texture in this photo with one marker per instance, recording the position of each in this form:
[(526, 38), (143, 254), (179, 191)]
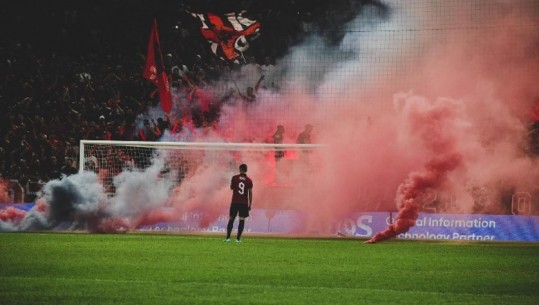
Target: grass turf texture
[(52, 268)]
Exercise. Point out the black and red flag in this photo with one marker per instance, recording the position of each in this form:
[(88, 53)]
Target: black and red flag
[(154, 69), (228, 35)]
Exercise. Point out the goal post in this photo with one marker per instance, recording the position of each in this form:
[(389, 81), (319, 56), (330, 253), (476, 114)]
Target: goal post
[(87, 147), (183, 160)]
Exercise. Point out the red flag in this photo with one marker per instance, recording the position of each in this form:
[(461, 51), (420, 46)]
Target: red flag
[(154, 69)]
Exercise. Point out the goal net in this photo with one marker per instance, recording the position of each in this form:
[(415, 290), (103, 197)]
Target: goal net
[(199, 169), (159, 182)]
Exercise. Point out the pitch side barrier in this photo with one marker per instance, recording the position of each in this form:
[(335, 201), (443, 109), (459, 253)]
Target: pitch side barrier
[(429, 226), (450, 227), (475, 227)]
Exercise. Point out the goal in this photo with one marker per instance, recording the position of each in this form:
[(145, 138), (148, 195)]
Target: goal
[(181, 162)]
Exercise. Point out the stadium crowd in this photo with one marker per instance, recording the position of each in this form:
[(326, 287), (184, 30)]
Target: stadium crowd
[(72, 71)]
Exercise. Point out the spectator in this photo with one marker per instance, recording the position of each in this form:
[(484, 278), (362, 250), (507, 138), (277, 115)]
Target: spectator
[(270, 73), (305, 136), (148, 132), (68, 169), (278, 138), (250, 95), (51, 169)]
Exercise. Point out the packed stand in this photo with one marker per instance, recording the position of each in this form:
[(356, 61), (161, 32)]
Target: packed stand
[(72, 71)]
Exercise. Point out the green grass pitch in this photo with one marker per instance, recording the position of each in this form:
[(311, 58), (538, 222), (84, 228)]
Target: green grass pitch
[(79, 268)]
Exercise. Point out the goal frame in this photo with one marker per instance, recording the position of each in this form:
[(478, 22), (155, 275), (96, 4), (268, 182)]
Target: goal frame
[(194, 146)]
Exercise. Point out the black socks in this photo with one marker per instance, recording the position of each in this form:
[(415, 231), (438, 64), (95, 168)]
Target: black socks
[(240, 229), (231, 225), (229, 228)]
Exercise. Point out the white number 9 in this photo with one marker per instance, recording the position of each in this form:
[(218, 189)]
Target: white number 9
[(241, 186)]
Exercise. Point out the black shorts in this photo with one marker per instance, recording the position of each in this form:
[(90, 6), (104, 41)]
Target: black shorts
[(240, 208)]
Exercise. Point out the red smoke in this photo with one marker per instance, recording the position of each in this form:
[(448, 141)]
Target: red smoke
[(153, 217), (41, 205), (434, 126), (12, 215), (109, 225), (410, 192)]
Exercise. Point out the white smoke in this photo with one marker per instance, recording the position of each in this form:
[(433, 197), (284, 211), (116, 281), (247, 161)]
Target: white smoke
[(139, 191)]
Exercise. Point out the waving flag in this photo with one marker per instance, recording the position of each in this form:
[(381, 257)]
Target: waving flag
[(154, 69), (229, 35)]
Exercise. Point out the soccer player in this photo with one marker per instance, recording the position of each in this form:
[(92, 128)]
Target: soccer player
[(242, 196)]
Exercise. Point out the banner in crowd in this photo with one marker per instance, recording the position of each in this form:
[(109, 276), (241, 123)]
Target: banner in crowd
[(229, 35), (154, 69)]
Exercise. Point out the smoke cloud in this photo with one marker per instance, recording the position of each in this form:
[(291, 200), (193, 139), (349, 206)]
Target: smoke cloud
[(418, 97)]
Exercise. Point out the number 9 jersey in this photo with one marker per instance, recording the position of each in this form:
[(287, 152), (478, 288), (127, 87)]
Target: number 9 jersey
[(240, 186)]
